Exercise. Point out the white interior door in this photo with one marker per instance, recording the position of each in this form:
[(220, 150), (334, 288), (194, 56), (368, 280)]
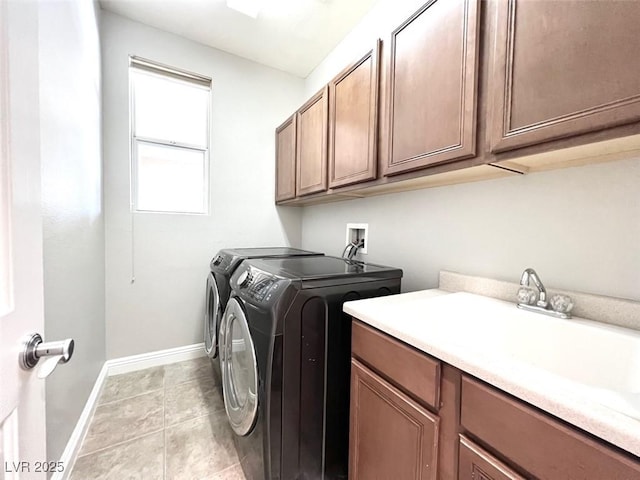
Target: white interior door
[(22, 401)]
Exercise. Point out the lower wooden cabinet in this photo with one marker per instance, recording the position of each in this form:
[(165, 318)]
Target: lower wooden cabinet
[(391, 436), (477, 432)]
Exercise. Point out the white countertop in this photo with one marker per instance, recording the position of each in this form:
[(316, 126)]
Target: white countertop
[(565, 367)]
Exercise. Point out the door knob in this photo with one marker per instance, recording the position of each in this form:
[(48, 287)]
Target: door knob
[(33, 349)]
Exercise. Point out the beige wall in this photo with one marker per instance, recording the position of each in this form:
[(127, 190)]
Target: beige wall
[(170, 254), (579, 227)]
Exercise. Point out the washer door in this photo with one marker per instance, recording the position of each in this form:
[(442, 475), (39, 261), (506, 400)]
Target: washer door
[(212, 317), (239, 370)]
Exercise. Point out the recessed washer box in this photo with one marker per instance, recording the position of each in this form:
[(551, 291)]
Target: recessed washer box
[(357, 232)]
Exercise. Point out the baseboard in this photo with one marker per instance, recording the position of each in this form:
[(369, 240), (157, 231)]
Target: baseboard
[(70, 453), (118, 366), (121, 365)]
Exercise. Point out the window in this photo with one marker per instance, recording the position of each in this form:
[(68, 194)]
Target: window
[(169, 139)]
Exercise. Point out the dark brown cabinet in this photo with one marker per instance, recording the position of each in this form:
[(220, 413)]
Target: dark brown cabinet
[(562, 69), (286, 160), (479, 432), (311, 145), (432, 86), (391, 436), (353, 122), (466, 90)]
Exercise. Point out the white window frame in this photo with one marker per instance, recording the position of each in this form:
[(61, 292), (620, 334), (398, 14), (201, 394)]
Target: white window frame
[(166, 72)]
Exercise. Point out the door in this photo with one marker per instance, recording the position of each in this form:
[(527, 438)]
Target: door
[(22, 408), (239, 370), (311, 144), (391, 436), (286, 160), (212, 318), (432, 88), (561, 69), (353, 122)]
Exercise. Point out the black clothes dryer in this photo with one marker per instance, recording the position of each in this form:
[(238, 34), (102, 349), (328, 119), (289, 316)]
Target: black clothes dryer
[(285, 357), (222, 266)]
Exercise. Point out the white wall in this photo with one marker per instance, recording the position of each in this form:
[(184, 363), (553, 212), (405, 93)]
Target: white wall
[(579, 227), (381, 20), (73, 226), (164, 307)]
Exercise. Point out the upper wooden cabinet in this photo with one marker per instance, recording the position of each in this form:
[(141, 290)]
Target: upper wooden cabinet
[(561, 69), (312, 144), (468, 90), (353, 122), (433, 72), (286, 160)]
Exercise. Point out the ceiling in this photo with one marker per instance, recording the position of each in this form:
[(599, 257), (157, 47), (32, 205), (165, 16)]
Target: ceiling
[(290, 35)]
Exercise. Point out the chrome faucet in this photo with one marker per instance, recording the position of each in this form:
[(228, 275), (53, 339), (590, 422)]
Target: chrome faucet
[(529, 299), (351, 249), (530, 274)]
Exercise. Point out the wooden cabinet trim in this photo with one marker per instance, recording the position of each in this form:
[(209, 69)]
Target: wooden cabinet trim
[(466, 146), (426, 423), (290, 192), (476, 464), (321, 184), (502, 136), (449, 413), (411, 370), (369, 173)]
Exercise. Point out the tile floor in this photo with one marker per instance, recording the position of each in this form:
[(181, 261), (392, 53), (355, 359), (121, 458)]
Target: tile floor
[(164, 423)]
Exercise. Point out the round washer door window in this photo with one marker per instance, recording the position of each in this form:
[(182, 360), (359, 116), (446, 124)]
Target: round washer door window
[(239, 370), (212, 317)]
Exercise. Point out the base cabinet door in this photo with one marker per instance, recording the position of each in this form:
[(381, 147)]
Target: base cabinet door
[(391, 436), (563, 68)]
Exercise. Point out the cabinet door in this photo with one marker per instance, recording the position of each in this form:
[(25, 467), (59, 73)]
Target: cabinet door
[(476, 464), (563, 68), (312, 144), (353, 122), (286, 160), (391, 436), (433, 70)]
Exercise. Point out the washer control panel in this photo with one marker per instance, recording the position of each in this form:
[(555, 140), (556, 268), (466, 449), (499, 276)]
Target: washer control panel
[(244, 279), (260, 288), (255, 285), (220, 263)]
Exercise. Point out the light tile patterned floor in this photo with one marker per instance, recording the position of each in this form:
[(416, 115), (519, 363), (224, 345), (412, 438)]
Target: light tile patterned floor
[(162, 423)]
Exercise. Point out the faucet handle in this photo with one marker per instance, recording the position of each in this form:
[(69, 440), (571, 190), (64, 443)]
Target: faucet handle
[(561, 303), (527, 295)]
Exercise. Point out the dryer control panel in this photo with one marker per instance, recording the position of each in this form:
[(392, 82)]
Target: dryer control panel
[(256, 286)]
